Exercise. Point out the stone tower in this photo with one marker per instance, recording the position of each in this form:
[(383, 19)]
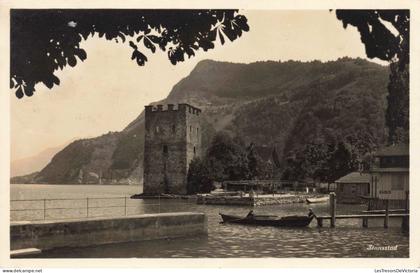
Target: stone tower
[(172, 140)]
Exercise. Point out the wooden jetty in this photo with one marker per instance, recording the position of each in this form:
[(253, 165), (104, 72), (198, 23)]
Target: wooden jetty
[(320, 219), (385, 214)]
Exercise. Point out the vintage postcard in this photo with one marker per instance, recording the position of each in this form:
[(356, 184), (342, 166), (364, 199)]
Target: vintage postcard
[(225, 135)]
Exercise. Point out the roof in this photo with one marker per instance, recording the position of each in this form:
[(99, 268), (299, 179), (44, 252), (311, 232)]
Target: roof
[(354, 177), (395, 150)]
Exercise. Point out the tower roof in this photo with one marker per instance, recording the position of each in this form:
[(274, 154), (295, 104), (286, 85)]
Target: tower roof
[(354, 177)]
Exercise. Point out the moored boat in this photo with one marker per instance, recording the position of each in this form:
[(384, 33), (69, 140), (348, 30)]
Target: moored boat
[(318, 199), (268, 220)]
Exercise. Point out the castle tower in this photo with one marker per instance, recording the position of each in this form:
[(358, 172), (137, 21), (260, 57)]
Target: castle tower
[(172, 140)]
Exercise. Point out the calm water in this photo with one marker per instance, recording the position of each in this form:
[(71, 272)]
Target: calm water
[(223, 240)]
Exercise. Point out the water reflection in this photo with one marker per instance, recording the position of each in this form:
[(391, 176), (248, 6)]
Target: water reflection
[(349, 239)]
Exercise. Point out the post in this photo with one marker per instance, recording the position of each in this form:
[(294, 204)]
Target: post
[(386, 220), (159, 203), (125, 205), (87, 207), (272, 187), (332, 208), (45, 207), (365, 222), (319, 220), (405, 223), (365, 219)]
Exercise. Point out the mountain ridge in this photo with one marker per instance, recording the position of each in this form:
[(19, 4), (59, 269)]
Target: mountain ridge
[(280, 104)]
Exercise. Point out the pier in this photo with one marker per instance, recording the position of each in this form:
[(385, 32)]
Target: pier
[(333, 217), (320, 219)]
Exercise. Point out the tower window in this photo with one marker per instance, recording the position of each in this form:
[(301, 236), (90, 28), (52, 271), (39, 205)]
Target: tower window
[(194, 150), (157, 129), (190, 129), (197, 131), (173, 128), (165, 149)]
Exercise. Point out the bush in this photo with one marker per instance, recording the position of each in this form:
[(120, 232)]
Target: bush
[(198, 179)]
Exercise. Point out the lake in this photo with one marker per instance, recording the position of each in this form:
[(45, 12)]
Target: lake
[(348, 239)]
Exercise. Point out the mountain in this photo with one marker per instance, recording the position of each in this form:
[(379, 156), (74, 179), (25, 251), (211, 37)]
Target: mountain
[(34, 163), (24, 179), (273, 104)]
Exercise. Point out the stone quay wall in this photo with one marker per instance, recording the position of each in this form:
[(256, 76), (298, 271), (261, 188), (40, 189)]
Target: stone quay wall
[(86, 232)]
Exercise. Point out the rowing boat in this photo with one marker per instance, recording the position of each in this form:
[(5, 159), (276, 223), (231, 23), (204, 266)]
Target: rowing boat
[(318, 199), (268, 220)]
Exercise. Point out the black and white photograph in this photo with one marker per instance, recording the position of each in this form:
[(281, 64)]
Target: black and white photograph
[(209, 133)]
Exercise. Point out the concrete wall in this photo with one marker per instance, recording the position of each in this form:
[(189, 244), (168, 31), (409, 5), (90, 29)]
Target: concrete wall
[(171, 134), (86, 232)]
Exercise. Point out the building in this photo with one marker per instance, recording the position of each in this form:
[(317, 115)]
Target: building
[(390, 174), (172, 140), (351, 187)]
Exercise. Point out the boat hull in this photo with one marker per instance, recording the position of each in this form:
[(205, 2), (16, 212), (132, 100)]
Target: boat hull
[(317, 200), (287, 221)]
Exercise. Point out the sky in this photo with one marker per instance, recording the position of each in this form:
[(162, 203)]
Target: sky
[(108, 90)]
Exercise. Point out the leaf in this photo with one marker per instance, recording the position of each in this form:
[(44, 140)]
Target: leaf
[(155, 39), (148, 44), (162, 44), (189, 52), (85, 35), (56, 80), (139, 38), (19, 92), (222, 39), (12, 83), (141, 58), (134, 55), (205, 44), (122, 36), (241, 22), (61, 62), (212, 35), (230, 33), (109, 36), (48, 82), (81, 54), (71, 60), (171, 57), (133, 45), (29, 90)]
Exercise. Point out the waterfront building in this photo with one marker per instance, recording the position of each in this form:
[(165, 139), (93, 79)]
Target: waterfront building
[(172, 140), (352, 187), (390, 175)]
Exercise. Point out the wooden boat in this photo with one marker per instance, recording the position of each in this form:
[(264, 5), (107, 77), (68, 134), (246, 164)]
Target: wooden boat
[(318, 199), (268, 220)]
